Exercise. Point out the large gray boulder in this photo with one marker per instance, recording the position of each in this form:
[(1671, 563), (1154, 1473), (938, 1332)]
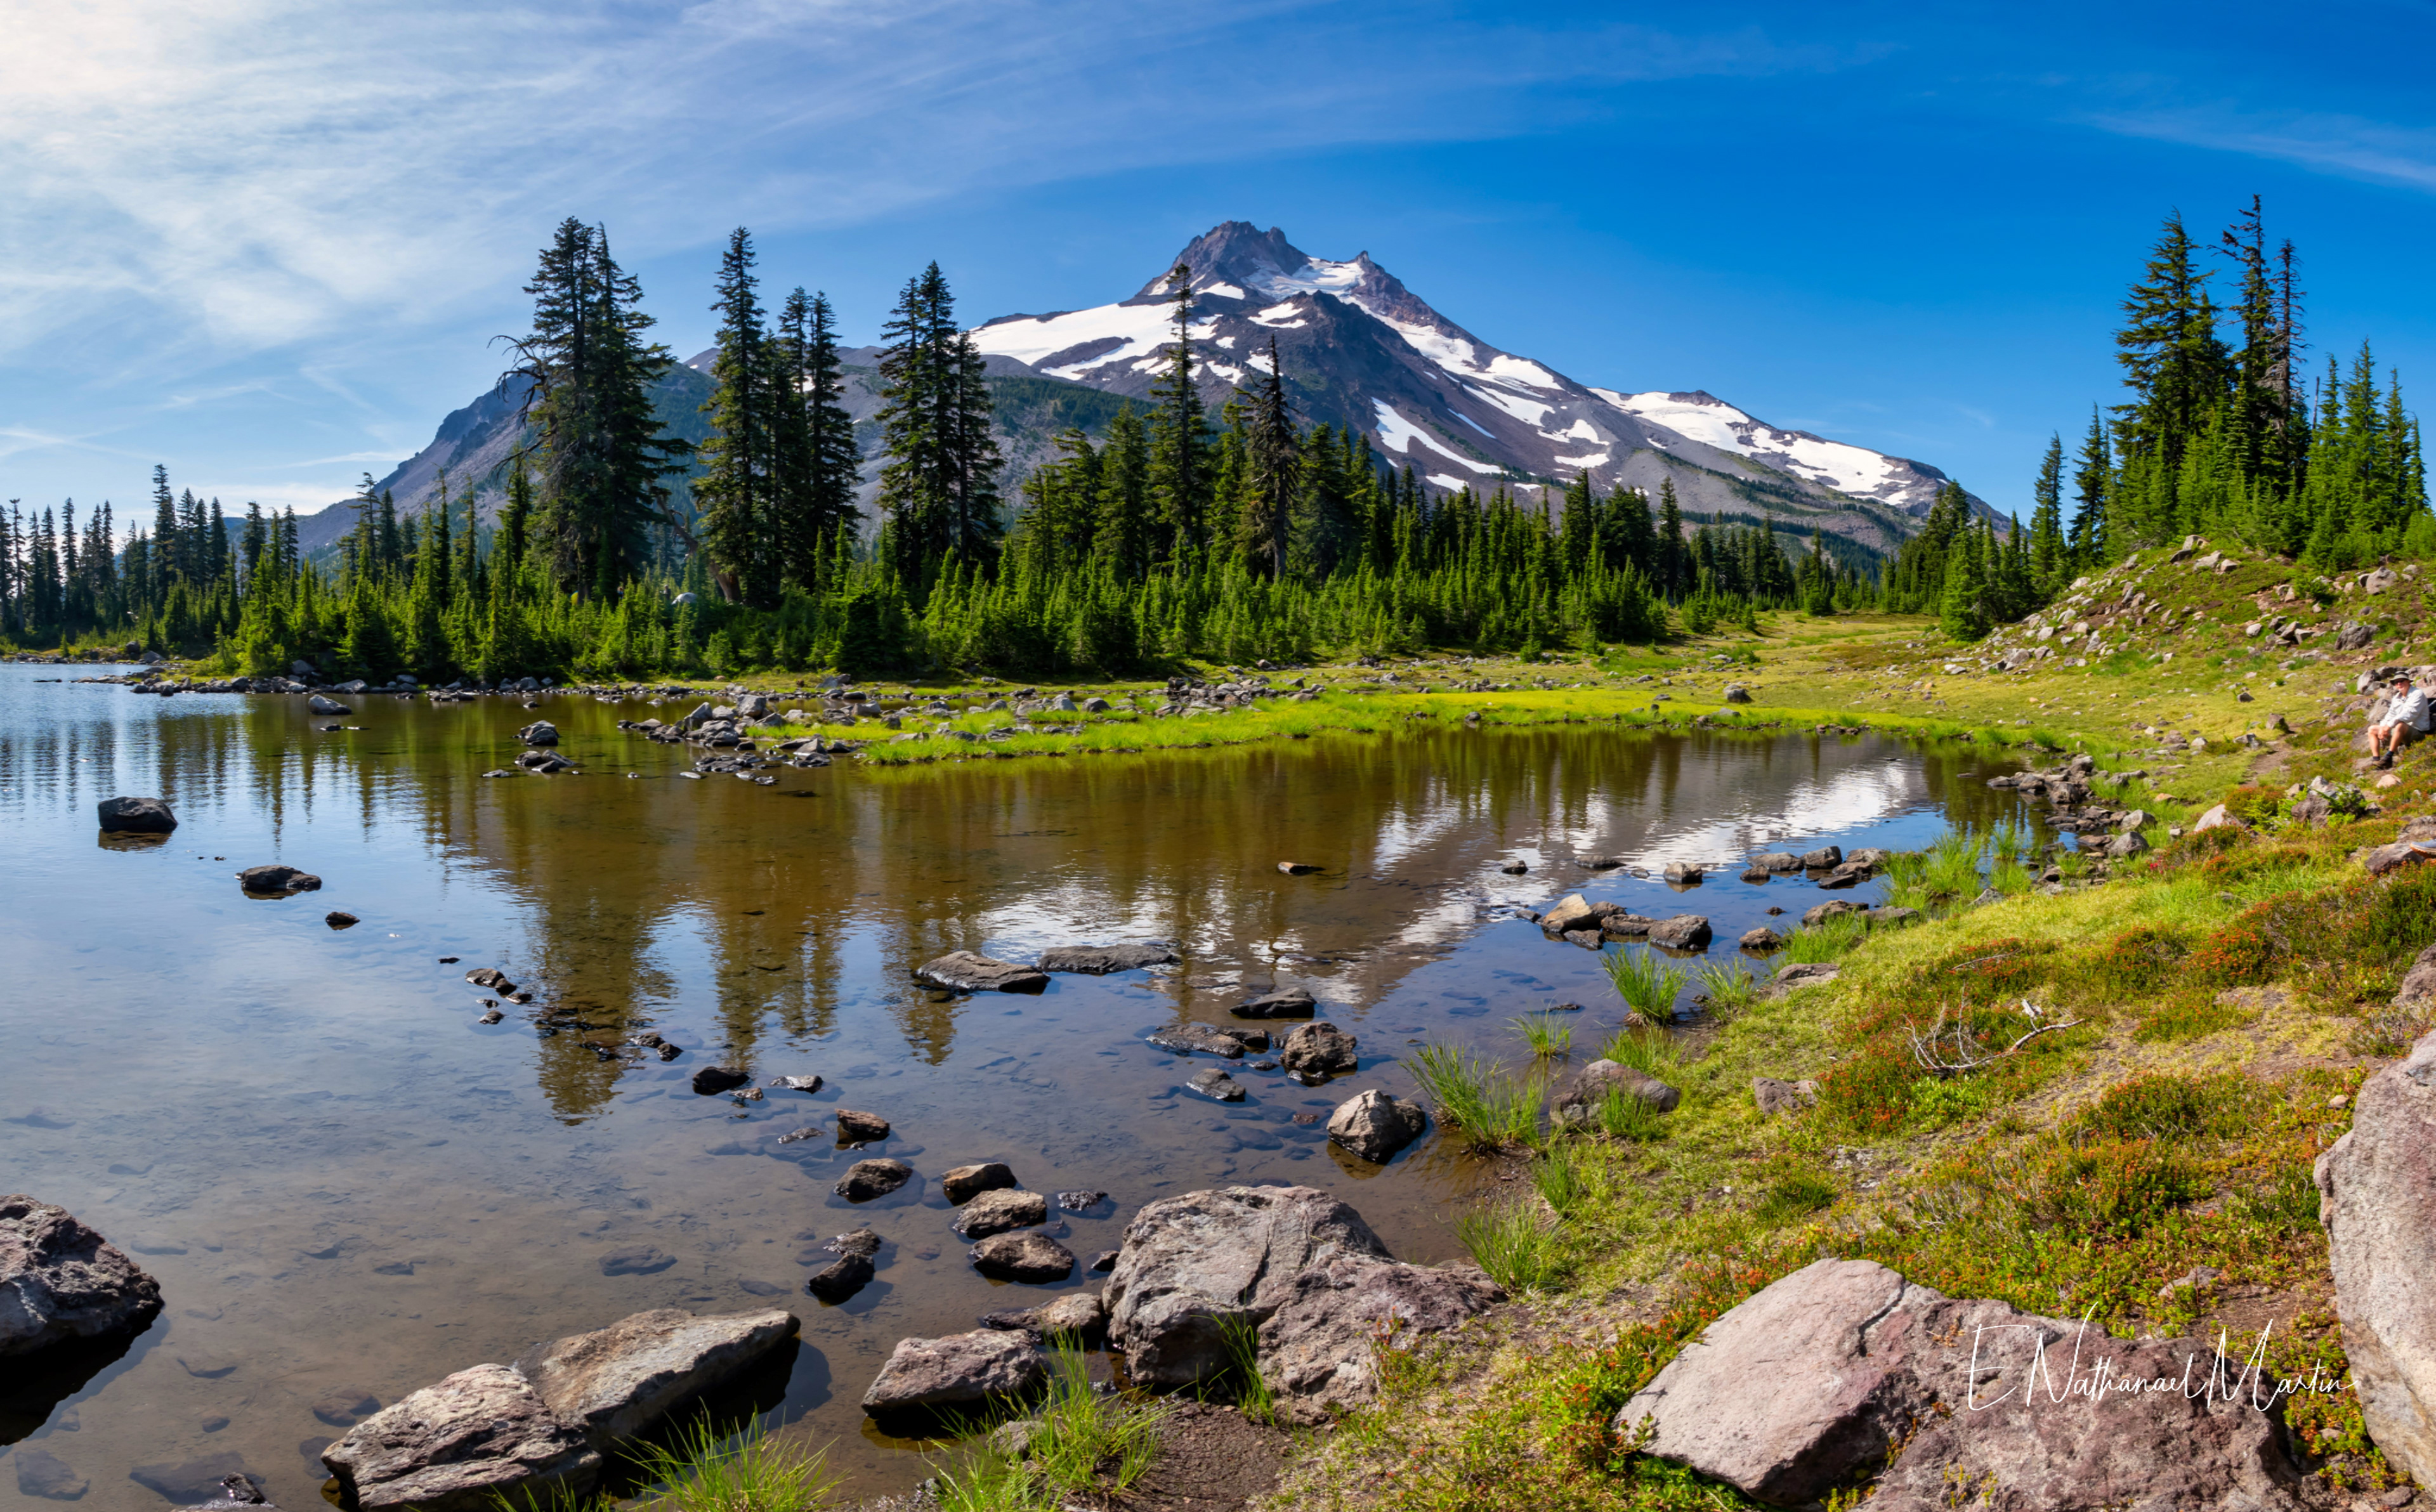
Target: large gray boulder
[(540, 732), (958, 1373), (59, 1282), (1192, 1264), (457, 1446), (1808, 1385), (1376, 1124), (2376, 1196), (963, 971), (137, 816), (617, 1382), (1320, 1348), (1581, 1095)]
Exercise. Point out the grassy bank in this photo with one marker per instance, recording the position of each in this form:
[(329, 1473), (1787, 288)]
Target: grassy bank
[(2145, 1164)]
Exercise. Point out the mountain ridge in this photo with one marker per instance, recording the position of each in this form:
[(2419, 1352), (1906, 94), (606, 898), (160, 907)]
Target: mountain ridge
[(1360, 351)]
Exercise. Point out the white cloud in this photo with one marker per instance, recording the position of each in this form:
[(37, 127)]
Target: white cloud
[(2346, 144), (223, 179)]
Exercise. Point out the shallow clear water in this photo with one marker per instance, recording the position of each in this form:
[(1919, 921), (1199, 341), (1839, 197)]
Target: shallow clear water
[(342, 1180)]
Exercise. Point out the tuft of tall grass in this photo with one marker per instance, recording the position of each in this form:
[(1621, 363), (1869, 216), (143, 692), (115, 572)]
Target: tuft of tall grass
[(1253, 1397), (1650, 1050), (1514, 1245), (1623, 1116), (1825, 940), (1544, 1034), (1952, 869), (1086, 1440), (1562, 1177), (1477, 1097), (1645, 980), (1729, 985), (1907, 875), (702, 1469)]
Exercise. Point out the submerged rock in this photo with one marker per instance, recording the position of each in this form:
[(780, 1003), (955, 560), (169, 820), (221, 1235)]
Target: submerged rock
[(457, 1446), (1099, 960), (1291, 1003), (712, 1080), (622, 1381), (963, 971), (62, 1282)]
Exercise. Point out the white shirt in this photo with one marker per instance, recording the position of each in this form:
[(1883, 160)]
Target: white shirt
[(2411, 707)]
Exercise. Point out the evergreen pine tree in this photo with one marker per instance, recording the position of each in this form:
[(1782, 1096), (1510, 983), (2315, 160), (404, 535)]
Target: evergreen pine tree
[(738, 494), (1180, 446), (2048, 550), (1273, 462)]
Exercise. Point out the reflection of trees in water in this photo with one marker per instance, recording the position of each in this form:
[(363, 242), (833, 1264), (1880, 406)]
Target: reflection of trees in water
[(884, 869)]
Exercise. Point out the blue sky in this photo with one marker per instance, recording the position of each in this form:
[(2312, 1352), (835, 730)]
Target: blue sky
[(268, 245)]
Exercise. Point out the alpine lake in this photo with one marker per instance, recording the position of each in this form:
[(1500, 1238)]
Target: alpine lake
[(349, 1186)]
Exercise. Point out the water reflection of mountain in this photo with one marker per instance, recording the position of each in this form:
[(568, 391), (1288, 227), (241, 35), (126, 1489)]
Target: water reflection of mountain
[(785, 905)]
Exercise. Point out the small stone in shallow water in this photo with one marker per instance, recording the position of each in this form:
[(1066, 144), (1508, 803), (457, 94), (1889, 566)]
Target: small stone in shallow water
[(491, 1018), (450, 959), (867, 1179), (798, 1084), (637, 1260), (859, 1128), (1214, 1083), (711, 1079), (339, 920), (1076, 1202)]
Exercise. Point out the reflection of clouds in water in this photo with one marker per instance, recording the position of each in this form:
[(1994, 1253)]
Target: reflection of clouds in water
[(1809, 809), (1404, 834)]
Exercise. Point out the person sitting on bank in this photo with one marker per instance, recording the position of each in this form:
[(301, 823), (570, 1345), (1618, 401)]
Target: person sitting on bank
[(2406, 720)]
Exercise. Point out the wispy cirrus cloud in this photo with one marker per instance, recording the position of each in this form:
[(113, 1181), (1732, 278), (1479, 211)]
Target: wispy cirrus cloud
[(256, 172), (2346, 145)]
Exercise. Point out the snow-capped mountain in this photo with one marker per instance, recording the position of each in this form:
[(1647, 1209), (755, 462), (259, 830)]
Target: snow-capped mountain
[(1360, 349)]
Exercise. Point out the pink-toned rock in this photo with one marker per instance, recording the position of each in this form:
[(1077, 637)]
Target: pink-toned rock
[(1807, 1387), (460, 1445)]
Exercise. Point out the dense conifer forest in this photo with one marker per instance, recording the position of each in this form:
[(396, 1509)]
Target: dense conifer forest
[(623, 551)]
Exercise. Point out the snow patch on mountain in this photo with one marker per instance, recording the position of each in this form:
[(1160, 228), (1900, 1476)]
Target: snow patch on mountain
[(1711, 421), (1138, 331), (1398, 434)]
